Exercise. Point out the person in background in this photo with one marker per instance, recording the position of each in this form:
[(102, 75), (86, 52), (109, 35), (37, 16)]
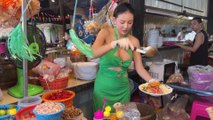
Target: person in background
[(67, 40), (114, 46), (173, 33), (163, 33), (182, 33), (199, 47)]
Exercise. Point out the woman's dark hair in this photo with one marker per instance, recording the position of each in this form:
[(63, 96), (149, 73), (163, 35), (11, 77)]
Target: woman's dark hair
[(198, 19), (121, 8)]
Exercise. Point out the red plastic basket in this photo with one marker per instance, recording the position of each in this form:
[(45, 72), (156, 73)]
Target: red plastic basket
[(26, 113), (68, 102), (54, 85)]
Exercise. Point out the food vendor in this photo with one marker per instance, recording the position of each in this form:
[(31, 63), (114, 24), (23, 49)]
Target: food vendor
[(114, 45)]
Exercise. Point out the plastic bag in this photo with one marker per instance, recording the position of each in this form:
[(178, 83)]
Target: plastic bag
[(175, 78), (131, 111), (200, 77), (64, 73), (175, 110), (47, 67)]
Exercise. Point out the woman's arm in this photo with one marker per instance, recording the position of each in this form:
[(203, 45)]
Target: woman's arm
[(198, 42), (138, 62)]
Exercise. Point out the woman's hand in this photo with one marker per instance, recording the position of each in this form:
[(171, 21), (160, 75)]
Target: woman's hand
[(189, 41), (124, 43), (178, 44), (153, 80)]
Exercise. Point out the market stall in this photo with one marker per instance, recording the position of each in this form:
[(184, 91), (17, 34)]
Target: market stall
[(47, 70)]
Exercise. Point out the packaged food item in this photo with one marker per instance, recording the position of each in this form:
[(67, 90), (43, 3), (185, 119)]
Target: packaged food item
[(47, 67), (201, 77), (175, 78)]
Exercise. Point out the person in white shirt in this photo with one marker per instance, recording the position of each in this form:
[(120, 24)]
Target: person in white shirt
[(182, 33)]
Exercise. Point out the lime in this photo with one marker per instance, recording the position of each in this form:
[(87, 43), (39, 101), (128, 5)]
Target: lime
[(2, 112), (11, 111)]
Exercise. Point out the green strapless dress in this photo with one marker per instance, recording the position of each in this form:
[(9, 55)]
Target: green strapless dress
[(111, 84)]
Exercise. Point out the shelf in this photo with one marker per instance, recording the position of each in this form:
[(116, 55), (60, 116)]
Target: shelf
[(55, 50), (73, 83)]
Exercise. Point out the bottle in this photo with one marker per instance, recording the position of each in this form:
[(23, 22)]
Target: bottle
[(98, 115)]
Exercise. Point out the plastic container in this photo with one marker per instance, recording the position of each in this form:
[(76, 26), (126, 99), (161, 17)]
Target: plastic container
[(26, 114), (98, 115), (68, 102), (29, 101), (53, 116), (54, 85), (8, 116)]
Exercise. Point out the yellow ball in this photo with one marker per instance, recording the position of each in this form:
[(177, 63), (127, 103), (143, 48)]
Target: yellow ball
[(108, 108), (119, 114), (106, 114), (11, 111), (2, 112)]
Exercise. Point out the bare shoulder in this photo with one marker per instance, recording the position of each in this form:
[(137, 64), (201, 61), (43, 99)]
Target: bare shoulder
[(200, 37), (134, 40), (200, 34), (102, 37), (105, 30)]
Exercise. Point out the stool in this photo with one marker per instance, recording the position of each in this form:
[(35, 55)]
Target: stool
[(199, 109)]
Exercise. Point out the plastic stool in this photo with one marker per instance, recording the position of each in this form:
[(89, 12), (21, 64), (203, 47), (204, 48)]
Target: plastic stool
[(199, 109)]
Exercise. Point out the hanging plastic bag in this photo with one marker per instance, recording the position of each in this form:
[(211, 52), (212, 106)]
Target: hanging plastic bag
[(80, 44)]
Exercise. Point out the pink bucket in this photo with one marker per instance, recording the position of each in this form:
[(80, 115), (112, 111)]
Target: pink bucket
[(2, 48)]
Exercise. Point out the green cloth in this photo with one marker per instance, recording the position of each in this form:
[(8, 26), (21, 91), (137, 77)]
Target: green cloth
[(111, 84)]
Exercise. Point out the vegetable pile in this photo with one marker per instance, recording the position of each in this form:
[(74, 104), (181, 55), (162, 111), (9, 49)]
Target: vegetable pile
[(60, 95)]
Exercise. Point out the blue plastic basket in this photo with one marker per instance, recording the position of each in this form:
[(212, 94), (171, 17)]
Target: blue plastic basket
[(53, 116), (8, 116)]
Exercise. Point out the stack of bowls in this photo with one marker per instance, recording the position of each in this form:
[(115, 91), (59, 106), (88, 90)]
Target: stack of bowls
[(153, 36)]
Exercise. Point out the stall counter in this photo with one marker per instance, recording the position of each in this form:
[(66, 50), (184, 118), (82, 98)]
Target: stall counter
[(7, 99)]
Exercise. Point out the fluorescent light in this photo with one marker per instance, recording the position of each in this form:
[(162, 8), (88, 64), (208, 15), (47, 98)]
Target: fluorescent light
[(190, 18)]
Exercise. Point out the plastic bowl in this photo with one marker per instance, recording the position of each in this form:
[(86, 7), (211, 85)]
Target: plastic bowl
[(68, 102), (8, 116), (26, 113), (29, 101), (52, 116)]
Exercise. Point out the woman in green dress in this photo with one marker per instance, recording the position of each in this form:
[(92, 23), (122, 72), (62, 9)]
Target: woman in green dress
[(115, 48)]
